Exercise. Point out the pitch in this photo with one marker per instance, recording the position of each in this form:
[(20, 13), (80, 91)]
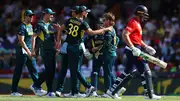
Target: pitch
[(124, 98)]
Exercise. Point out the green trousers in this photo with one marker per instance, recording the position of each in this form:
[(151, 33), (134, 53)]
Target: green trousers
[(49, 59), (75, 55), (97, 63), (21, 60), (109, 76)]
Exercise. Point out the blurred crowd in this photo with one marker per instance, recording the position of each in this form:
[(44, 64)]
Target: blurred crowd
[(162, 31)]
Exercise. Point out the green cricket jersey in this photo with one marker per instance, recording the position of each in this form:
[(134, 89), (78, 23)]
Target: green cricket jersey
[(46, 32), (110, 43), (97, 40), (75, 30), (26, 31)]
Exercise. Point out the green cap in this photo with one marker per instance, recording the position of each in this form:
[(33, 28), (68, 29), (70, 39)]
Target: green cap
[(75, 8), (83, 8), (48, 11), (28, 12)]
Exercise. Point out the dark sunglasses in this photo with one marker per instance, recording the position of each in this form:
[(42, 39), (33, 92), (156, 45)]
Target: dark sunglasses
[(30, 16)]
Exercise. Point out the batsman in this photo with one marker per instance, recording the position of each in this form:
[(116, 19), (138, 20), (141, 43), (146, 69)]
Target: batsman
[(132, 35)]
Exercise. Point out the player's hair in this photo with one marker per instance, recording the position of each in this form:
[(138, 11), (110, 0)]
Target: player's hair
[(110, 16)]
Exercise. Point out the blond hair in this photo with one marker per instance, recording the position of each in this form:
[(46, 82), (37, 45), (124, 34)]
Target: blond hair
[(109, 16)]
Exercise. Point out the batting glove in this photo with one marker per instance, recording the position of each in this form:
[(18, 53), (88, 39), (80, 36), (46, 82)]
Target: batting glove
[(150, 50), (88, 55), (135, 51)]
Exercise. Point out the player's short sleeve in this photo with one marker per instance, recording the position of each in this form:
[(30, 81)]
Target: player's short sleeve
[(130, 26), (38, 28), (22, 30), (85, 25)]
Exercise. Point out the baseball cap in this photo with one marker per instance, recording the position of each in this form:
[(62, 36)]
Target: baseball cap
[(84, 8), (48, 11), (28, 12), (75, 8)]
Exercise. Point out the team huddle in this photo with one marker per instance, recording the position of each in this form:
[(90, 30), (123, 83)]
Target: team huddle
[(45, 40)]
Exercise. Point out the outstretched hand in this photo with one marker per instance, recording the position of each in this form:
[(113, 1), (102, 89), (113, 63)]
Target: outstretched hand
[(109, 28), (57, 26)]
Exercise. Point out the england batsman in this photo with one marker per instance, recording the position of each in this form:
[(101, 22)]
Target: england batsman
[(132, 35)]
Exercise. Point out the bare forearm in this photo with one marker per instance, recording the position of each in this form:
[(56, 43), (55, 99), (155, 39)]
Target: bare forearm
[(59, 37), (126, 38), (23, 44), (143, 44), (94, 32), (33, 43)]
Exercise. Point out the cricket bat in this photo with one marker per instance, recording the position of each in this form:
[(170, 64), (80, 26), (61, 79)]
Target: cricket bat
[(86, 52), (83, 47), (152, 59)]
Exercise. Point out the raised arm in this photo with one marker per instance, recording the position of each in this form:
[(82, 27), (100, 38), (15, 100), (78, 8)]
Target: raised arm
[(100, 31)]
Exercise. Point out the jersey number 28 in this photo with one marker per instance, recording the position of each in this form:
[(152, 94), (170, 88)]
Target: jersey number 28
[(73, 30)]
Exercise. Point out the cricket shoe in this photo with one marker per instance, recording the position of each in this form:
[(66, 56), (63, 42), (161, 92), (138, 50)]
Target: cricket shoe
[(79, 95), (115, 96), (38, 91), (90, 91), (51, 95), (16, 94), (59, 94), (68, 95), (105, 96), (94, 94), (121, 91), (154, 97)]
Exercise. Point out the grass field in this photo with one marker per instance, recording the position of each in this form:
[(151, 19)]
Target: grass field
[(124, 98)]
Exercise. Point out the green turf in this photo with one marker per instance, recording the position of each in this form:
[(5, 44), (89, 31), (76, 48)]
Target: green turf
[(124, 98)]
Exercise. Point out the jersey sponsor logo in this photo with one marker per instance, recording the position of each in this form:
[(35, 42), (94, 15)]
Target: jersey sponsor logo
[(75, 22), (98, 42)]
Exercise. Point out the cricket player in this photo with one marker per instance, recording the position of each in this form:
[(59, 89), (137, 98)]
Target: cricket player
[(109, 50), (46, 31), (99, 45), (76, 28), (65, 66), (132, 35), (24, 56)]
